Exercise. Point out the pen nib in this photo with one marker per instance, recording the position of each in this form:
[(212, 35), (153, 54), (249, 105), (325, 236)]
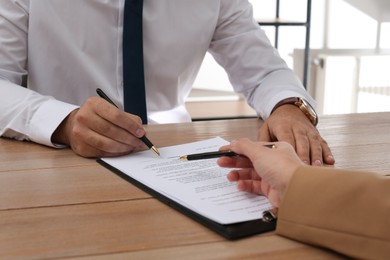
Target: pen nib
[(154, 149)]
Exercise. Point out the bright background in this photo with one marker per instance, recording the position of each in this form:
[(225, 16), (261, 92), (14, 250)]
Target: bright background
[(350, 52)]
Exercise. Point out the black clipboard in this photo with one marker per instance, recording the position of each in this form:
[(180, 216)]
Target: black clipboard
[(231, 231)]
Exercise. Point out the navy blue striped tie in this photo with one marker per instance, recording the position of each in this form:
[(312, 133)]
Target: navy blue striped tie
[(133, 60)]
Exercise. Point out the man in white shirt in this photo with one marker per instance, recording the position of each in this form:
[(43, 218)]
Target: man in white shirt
[(70, 48)]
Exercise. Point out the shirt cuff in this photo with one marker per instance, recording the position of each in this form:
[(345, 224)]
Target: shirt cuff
[(276, 87), (46, 120)]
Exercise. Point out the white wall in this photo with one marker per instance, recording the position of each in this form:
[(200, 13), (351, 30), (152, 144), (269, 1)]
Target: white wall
[(343, 27)]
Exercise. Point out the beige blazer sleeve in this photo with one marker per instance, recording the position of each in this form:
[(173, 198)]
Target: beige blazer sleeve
[(345, 211)]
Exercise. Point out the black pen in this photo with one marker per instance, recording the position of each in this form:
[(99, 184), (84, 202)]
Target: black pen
[(216, 154), (208, 155), (144, 139)]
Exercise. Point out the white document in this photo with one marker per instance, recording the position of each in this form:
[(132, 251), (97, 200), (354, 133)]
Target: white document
[(199, 185)]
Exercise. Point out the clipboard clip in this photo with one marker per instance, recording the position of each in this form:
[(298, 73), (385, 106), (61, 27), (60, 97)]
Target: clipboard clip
[(270, 215)]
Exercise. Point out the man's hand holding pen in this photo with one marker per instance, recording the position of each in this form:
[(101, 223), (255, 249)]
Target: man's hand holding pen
[(99, 129)]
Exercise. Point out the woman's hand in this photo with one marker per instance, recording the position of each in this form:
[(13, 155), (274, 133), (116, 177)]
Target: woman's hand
[(261, 170)]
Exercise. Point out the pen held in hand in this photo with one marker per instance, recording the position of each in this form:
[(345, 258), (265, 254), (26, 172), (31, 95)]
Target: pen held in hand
[(215, 154), (144, 139), (208, 155)]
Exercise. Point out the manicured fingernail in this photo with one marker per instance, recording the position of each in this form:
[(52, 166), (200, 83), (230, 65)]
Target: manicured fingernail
[(330, 157), (139, 133), (305, 162), (317, 163)]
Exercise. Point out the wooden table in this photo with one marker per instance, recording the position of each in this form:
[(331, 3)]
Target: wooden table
[(54, 204)]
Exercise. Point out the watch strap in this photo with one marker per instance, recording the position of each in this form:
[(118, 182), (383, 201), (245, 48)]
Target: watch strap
[(309, 112)]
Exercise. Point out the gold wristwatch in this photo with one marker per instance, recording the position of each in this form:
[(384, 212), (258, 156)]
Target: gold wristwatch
[(303, 105)]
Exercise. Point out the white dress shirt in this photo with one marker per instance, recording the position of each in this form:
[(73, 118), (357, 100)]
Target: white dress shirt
[(70, 48)]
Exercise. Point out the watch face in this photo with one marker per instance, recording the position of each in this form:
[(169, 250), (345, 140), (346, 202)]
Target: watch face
[(309, 107), (308, 110)]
